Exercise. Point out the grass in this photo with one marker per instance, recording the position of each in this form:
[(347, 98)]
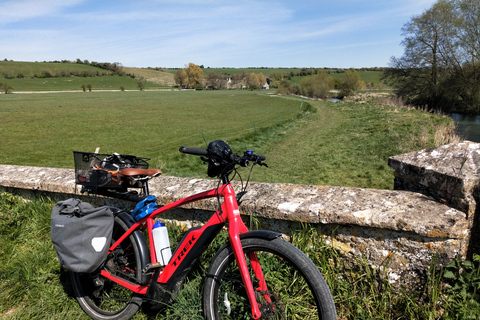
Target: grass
[(367, 76), (152, 75), (75, 83), (31, 69), (32, 79), (344, 144), (32, 285)]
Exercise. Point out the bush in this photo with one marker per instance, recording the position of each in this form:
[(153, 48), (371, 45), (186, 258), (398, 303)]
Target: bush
[(463, 278), (351, 83), (6, 88), (284, 87), (317, 86)]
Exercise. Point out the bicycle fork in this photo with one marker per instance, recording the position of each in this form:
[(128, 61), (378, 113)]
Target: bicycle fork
[(236, 226)]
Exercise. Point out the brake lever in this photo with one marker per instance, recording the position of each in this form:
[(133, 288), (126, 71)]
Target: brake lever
[(258, 161)]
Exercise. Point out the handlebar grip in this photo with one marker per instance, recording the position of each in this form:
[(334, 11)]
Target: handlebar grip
[(261, 158), (193, 151)]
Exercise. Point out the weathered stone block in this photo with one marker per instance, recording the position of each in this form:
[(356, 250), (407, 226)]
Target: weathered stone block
[(450, 174)]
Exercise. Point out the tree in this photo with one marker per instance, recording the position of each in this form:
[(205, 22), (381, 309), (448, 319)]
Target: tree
[(316, 86), (261, 79), (189, 77), (283, 87), (195, 76), (351, 83), (141, 83), (216, 81), (252, 81), (239, 79), (181, 78), (6, 88), (440, 67)]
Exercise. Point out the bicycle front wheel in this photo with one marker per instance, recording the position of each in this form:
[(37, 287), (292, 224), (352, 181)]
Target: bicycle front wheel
[(103, 299), (295, 287)]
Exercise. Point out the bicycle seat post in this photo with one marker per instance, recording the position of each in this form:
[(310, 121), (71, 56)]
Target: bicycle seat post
[(146, 192)]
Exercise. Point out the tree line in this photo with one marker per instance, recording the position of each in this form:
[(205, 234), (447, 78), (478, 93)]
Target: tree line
[(316, 82), (320, 85), (192, 77), (440, 67)]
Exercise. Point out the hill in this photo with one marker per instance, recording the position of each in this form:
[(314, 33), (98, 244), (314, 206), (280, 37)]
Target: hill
[(154, 75), (67, 76), (20, 70)]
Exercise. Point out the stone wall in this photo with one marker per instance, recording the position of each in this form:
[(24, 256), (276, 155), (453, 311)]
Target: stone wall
[(431, 211), (449, 174)]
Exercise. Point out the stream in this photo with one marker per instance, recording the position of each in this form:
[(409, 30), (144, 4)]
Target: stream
[(468, 126)]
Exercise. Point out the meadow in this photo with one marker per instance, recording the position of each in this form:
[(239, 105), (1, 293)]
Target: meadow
[(305, 142), (12, 69), (43, 76), (99, 83)]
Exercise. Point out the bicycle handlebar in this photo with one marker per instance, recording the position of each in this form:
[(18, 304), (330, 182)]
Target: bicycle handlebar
[(193, 151), (234, 158)]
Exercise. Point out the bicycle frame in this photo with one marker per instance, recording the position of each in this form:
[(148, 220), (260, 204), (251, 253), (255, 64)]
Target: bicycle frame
[(194, 242)]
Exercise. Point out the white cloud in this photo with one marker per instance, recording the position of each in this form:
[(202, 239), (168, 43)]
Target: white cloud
[(21, 10)]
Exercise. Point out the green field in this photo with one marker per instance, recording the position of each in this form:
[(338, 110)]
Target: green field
[(343, 144), (366, 75), (75, 83), (33, 69), (30, 76)]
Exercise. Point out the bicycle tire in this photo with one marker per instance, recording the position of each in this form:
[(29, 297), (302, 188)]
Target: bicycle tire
[(295, 285), (103, 299)]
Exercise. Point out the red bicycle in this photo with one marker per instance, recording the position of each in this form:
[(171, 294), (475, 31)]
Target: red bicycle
[(256, 274)]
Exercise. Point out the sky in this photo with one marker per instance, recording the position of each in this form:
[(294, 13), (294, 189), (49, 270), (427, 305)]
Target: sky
[(212, 33)]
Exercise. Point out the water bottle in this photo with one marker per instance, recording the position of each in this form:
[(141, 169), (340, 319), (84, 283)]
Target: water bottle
[(161, 243)]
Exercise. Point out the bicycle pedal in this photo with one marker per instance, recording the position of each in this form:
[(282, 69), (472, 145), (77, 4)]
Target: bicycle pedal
[(151, 267)]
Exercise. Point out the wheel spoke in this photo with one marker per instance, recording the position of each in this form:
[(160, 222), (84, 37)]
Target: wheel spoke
[(289, 293)]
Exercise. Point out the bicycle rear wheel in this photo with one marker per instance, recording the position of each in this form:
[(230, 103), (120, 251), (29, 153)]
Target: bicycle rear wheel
[(296, 288), (102, 298)]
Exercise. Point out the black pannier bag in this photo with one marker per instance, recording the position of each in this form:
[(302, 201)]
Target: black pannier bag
[(81, 234)]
